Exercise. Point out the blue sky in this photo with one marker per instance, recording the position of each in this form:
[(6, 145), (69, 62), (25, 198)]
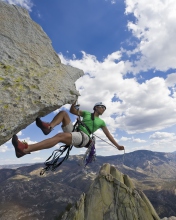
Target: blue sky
[(127, 51)]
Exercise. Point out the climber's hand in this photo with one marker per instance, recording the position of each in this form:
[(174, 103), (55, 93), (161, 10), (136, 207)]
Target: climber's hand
[(120, 147)]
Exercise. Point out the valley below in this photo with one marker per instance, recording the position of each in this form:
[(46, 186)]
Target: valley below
[(26, 195)]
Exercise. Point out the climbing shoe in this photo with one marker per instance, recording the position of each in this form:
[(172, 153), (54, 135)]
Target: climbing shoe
[(19, 146), (45, 127)]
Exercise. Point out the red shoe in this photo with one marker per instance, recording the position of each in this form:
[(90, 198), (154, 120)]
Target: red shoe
[(19, 146), (45, 127)]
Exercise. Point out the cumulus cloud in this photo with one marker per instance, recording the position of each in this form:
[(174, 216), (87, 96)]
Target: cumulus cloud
[(137, 107), (19, 133), (154, 32), (138, 140), (163, 141), (37, 159), (132, 139), (27, 4), (4, 149), (171, 80), (162, 135), (125, 139)]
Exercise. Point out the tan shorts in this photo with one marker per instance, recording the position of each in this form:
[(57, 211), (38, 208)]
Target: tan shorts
[(76, 136)]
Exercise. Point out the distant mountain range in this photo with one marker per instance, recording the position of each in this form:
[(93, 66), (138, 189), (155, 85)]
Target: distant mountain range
[(24, 194), (14, 166)]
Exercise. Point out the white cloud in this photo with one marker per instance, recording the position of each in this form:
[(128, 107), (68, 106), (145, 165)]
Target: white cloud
[(27, 4), (163, 135), (132, 139), (19, 133), (163, 141), (139, 107), (37, 159), (138, 140), (171, 80), (125, 139), (155, 28), (4, 149)]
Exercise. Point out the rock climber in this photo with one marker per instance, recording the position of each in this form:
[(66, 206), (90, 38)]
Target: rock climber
[(79, 138)]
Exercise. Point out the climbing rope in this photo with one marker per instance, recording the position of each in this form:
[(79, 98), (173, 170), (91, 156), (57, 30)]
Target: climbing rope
[(112, 146), (54, 160)]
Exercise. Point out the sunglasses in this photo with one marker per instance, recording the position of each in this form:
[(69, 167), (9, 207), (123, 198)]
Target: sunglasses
[(101, 106)]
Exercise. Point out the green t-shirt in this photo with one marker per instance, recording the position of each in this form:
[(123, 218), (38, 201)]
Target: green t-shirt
[(93, 125)]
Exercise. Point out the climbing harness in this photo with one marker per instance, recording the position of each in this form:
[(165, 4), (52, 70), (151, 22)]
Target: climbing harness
[(55, 161)]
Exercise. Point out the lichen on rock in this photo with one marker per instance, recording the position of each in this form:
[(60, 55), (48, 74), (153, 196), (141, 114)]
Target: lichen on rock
[(33, 81)]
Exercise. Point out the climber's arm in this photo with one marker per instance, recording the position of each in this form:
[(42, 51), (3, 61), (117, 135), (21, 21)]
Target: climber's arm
[(75, 111), (110, 137)]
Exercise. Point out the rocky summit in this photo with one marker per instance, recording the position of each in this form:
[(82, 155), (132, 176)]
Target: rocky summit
[(33, 81), (47, 197), (112, 196)]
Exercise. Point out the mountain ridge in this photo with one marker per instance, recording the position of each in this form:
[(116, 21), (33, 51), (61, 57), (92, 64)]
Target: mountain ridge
[(70, 180)]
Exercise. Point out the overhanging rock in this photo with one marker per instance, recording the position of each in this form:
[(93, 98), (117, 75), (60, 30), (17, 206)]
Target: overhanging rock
[(33, 81), (112, 196)]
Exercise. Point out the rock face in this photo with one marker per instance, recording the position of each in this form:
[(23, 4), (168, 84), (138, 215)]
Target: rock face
[(33, 82), (112, 196)]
